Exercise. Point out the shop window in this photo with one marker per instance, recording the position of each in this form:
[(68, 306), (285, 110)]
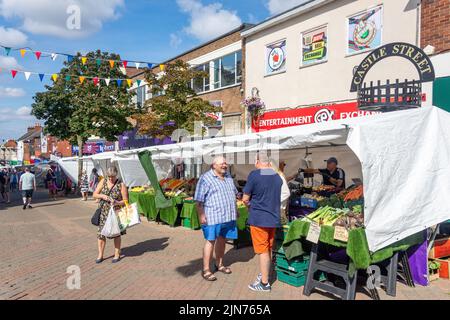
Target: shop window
[(232, 125)]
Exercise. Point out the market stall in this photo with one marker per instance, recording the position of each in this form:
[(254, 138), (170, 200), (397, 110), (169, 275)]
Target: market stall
[(405, 177)]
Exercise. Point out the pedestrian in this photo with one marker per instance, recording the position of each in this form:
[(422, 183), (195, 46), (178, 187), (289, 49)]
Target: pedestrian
[(110, 192), (14, 180), (51, 183), (262, 193), (84, 186), (4, 184), (27, 184), (93, 181), (216, 205), (285, 191)]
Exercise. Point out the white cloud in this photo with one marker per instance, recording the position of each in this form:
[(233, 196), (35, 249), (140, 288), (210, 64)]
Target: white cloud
[(278, 6), (9, 63), (11, 92), (208, 21), (50, 17), (175, 40), (12, 38), (20, 114)]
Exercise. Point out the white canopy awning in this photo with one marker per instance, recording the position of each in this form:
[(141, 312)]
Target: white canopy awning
[(404, 156)]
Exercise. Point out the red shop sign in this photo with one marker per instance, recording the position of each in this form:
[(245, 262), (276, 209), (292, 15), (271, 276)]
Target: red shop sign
[(295, 117)]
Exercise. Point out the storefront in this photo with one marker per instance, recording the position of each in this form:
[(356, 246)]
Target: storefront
[(306, 57)]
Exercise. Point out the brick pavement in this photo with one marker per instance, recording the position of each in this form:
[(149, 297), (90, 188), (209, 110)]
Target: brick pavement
[(160, 262)]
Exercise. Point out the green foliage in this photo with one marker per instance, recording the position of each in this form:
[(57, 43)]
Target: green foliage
[(174, 101), (72, 110)]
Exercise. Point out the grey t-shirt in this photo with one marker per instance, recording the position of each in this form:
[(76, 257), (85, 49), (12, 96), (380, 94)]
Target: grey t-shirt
[(27, 180)]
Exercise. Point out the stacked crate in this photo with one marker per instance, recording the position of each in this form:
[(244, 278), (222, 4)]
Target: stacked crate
[(293, 271)]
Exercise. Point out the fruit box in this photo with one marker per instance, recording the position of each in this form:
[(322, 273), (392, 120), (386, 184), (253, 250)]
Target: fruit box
[(440, 249), (444, 269)]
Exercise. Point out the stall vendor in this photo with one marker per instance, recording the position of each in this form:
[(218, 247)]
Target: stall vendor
[(332, 175)]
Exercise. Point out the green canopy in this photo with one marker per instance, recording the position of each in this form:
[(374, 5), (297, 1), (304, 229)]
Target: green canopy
[(145, 157)]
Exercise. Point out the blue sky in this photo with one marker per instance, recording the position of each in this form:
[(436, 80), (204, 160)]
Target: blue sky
[(142, 30)]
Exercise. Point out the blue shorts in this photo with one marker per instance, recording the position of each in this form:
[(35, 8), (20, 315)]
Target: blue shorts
[(227, 230)]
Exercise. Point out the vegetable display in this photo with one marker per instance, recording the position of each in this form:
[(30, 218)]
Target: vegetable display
[(354, 194), (330, 216)]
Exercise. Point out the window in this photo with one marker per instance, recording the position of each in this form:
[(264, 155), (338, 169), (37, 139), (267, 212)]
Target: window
[(141, 96), (228, 70), (201, 84), (216, 66), (238, 66), (222, 72)]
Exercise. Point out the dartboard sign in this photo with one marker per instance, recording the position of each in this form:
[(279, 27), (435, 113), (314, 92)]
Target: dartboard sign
[(276, 59)]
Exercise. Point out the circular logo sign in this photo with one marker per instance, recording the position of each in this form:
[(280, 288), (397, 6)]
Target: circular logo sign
[(323, 115), (365, 32), (276, 58)]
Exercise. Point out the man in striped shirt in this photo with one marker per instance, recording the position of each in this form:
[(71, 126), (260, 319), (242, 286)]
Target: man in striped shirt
[(216, 205)]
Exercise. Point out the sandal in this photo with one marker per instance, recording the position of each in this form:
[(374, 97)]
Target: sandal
[(223, 269), (208, 275)]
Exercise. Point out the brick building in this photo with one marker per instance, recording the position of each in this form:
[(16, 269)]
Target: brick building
[(35, 145), (435, 25), (435, 39), (223, 59)]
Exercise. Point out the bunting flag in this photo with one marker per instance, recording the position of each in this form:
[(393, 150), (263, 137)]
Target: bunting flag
[(71, 57), (123, 70), (81, 78), (162, 67)]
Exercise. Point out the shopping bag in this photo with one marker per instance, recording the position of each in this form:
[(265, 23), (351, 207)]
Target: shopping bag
[(128, 216), (111, 228)]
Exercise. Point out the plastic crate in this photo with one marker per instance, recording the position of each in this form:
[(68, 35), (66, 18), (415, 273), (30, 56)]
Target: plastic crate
[(296, 266), (287, 277), (187, 223), (309, 203)]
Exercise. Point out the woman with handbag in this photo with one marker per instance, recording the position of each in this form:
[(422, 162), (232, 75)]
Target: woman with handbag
[(111, 193)]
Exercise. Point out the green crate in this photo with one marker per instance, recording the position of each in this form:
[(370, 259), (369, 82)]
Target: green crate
[(297, 266), (187, 223), (287, 277)]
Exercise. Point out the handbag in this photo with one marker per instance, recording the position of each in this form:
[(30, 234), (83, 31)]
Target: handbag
[(128, 216), (95, 220), (111, 228)]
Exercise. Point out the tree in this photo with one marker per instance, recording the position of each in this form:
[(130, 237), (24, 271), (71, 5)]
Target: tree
[(74, 111), (174, 104)]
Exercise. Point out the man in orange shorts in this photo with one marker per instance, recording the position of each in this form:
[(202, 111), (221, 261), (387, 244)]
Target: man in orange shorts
[(262, 194)]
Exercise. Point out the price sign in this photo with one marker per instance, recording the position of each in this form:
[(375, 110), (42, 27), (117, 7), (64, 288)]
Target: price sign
[(341, 234), (313, 233)]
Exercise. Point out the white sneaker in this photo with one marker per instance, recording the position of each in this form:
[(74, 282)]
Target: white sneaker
[(260, 287)]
